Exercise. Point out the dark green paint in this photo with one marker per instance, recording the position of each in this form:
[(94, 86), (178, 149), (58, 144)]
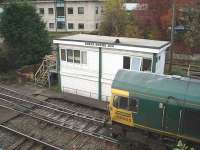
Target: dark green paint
[(154, 62), (100, 74), (175, 91), (165, 103), (58, 66)]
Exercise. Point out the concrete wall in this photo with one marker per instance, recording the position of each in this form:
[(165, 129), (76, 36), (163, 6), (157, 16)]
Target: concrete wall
[(47, 18), (89, 18)]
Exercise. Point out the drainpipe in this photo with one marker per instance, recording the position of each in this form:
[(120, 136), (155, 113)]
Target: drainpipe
[(100, 73), (154, 62), (58, 67)]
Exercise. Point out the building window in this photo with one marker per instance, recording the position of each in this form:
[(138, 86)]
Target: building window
[(146, 64), (77, 58), (41, 10), (70, 10), (70, 26), (63, 55), (80, 26), (51, 25), (97, 25), (50, 10), (97, 10), (126, 62), (60, 11), (80, 10), (70, 55), (60, 25)]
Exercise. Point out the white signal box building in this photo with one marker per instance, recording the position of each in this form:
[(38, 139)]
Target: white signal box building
[(88, 63)]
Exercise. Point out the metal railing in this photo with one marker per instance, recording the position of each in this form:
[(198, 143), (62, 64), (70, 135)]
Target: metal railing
[(193, 71), (84, 93)]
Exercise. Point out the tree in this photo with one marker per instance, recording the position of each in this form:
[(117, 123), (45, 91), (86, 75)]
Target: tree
[(155, 19), (24, 33), (192, 36), (114, 19)]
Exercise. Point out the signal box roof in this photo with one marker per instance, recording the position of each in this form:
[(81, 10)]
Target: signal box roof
[(154, 45), (164, 88)]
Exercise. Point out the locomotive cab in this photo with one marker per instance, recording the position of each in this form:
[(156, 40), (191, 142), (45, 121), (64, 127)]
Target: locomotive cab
[(122, 106)]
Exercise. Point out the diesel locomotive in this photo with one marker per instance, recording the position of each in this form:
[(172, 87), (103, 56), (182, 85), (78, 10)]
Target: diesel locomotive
[(162, 104)]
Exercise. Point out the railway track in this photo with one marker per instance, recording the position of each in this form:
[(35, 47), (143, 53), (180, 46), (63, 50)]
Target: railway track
[(7, 93), (66, 116), (23, 141), (62, 118), (51, 133)]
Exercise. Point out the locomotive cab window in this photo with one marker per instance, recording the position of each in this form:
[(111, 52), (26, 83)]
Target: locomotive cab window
[(120, 102), (133, 104)]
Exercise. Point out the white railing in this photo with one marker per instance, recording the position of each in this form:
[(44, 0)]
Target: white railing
[(84, 93), (193, 71)]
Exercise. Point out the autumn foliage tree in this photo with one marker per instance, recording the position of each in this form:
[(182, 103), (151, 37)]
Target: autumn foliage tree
[(114, 18), (154, 18), (117, 21), (192, 36)]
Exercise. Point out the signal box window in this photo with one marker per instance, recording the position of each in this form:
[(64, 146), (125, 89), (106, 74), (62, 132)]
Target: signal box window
[(70, 55), (97, 10), (133, 104), (63, 55), (146, 66), (77, 56), (126, 62), (84, 57)]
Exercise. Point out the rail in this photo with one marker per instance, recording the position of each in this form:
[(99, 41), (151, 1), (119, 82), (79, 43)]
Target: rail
[(58, 124)]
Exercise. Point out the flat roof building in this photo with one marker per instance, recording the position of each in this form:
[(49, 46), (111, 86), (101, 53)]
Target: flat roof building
[(70, 15), (88, 63)]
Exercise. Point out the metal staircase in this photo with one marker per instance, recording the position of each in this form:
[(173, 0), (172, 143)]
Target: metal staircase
[(47, 66)]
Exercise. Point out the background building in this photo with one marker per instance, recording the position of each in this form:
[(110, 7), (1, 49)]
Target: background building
[(70, 15), (88, 63)]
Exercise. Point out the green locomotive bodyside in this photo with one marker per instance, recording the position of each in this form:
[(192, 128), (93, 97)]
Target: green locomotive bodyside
[(165, 104)]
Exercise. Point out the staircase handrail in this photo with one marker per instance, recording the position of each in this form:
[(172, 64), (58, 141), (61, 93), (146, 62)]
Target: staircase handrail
[(39, 69)]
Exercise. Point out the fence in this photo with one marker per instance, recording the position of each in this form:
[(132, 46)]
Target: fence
[(194, 71), (84, 93)]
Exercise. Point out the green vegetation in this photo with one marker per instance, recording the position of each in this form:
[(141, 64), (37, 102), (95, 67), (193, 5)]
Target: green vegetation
[(24, 35), (181, 146), (54, 35), (176, 70), (8, 77), (115, 19)]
